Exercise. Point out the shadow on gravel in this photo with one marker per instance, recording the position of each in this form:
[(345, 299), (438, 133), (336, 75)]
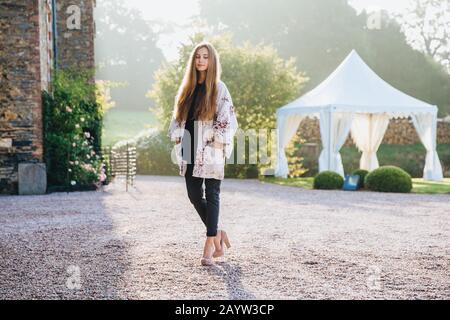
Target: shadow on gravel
[(60, 246), (231, 275)]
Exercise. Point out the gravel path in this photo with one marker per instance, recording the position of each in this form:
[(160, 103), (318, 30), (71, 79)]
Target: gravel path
[(287, 243)]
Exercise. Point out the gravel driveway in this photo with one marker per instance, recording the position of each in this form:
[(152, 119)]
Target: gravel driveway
[(287, 243)]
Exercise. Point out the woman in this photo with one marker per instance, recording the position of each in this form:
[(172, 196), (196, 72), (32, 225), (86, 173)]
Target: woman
[(203, 125)]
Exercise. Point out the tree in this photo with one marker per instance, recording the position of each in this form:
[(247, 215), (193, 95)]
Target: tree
[(427, 27), (126, 52), (258, 79), (320, 34)]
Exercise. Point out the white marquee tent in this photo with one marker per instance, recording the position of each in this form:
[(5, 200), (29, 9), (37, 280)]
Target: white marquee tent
[(354, 99)]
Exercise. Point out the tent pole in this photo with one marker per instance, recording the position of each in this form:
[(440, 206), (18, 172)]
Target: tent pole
[(330, 123), (370, 139)]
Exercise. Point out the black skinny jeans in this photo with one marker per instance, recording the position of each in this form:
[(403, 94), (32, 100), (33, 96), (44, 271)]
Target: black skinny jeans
[(207, 208)]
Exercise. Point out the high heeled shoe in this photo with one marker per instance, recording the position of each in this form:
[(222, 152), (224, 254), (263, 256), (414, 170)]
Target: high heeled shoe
[(207, 261), (223, 239)]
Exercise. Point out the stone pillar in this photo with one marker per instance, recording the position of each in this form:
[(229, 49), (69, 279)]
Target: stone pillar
[(46, 42), (76, 30)]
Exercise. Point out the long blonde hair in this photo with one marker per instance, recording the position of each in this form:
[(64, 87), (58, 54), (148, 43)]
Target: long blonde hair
[(206, 102)]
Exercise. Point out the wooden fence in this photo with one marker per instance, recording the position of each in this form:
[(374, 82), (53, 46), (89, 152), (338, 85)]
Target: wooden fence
[(122, 162)]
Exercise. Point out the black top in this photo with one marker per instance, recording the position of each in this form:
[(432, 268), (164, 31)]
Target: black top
[(190, 125)]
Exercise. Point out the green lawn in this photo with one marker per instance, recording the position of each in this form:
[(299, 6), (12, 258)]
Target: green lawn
[(305, 183), (419, 185), (124, 124)]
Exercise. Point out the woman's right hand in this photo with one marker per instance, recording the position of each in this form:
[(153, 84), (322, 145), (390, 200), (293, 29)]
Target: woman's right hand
[(177, 140)]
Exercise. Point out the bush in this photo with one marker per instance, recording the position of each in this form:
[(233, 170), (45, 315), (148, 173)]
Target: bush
[(72, 133), (328, 180), (236, 169), (362, 175), (241, 171), (295, 160), (389, 179), (153, 150)]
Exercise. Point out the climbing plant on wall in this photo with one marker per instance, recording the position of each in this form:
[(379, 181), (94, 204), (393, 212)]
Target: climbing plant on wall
[(72, 132)]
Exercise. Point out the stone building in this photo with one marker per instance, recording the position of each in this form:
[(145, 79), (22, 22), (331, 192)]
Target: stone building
[(36, 36)]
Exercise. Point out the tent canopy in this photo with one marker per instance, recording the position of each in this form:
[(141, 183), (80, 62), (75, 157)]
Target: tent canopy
[(353, 86), (355, 99)]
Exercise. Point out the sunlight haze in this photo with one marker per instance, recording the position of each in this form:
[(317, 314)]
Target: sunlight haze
[(180, 11)]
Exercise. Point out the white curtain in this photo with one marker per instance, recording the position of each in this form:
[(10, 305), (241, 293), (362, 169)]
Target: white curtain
[(367, 132), (286, 128), (425, 125), (334, 129)]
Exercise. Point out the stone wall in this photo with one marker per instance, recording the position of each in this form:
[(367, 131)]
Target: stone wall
[(20, 89), (399, 131), (26, 60), (76, 30)]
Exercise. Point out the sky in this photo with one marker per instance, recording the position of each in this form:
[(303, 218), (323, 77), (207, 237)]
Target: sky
[(179, 12)]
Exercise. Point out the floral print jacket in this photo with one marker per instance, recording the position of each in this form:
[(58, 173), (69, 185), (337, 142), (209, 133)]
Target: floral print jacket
[(209, 161)]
